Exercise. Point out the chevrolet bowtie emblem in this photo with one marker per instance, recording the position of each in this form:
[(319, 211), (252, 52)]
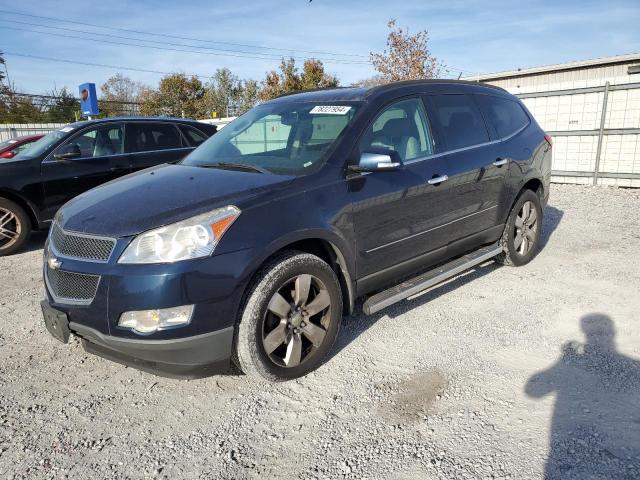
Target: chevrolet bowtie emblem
[(54, 263)]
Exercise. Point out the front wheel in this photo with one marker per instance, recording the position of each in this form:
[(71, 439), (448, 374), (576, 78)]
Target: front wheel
[(15, 227), (291, 318), (521, 237)]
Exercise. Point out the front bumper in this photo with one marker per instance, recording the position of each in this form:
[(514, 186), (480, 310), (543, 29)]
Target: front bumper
[(191, 357), (214, 285)]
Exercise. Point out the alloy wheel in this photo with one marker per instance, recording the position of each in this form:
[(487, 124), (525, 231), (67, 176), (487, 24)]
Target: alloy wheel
[(526, 227), (296, 321), (10, 228)]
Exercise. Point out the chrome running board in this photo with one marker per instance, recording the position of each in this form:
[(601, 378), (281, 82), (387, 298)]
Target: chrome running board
[(429, 279)]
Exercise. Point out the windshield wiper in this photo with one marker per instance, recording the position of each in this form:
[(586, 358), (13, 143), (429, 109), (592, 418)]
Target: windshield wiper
[(235, 166)]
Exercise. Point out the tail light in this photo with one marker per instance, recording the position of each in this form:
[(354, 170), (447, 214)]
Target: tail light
[(548, 139)]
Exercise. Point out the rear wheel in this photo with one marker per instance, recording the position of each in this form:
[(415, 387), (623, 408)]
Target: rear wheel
[(521, 237), (15, 227), (291, 318)]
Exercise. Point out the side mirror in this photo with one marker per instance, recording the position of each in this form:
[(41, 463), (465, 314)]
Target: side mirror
[(68, 152), (8, 154), (378, 159)]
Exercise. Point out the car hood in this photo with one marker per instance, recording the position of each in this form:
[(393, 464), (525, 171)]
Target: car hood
[(163, 195)]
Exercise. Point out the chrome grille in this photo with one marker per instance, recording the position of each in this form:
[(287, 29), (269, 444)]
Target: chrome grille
[(71, 287), (81, 246)]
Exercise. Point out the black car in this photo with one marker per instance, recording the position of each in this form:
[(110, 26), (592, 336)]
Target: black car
[(253, 247), (35, 183)]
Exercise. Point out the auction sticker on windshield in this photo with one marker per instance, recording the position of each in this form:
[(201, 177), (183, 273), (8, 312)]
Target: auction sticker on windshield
[(330, 109)]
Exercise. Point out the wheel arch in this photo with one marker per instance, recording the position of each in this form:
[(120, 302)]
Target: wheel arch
[(23, 203), (331, 250)]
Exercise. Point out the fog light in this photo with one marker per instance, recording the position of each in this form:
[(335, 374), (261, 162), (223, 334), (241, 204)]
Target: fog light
[(149, 321)]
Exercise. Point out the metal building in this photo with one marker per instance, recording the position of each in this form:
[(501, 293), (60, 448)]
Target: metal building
[(591, 109)]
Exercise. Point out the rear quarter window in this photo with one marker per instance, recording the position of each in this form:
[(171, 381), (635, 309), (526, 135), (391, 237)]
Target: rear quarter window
[(194, 137), (505, 116), (458, 119)]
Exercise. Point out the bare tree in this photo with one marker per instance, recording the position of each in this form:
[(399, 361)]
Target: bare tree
[(407, 57)]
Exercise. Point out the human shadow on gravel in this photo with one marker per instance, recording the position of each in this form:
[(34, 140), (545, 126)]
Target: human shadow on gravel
[(595, 428)]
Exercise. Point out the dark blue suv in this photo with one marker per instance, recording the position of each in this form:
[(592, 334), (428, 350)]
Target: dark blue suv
[(252, 248)]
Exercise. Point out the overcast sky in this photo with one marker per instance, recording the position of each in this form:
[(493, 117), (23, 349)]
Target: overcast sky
[(468, 35)]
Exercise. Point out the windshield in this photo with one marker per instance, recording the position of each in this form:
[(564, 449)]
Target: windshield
[(283, 137), (37, 148), (7, 143)]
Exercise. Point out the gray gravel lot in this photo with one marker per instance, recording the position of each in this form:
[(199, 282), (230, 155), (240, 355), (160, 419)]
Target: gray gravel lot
[(502, 373)]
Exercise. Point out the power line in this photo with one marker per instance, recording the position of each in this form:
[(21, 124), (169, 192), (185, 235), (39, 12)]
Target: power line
[(104, 65), (140, 32), (113, 42), (59, 97), (207, 50)]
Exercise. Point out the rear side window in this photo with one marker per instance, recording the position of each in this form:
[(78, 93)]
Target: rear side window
[(459, 120), (506, 116), (146, 137), (194, 136)]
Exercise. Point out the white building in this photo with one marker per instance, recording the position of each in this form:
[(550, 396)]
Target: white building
[(568, 101)]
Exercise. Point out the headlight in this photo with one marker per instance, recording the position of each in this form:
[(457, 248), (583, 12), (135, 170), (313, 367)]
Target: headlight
[(192, 238)]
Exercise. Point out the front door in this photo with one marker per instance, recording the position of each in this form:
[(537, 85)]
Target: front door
[(101, 159), (399, 215)]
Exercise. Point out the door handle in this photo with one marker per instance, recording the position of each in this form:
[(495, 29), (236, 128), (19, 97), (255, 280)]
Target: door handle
[(436, 180), (500, 162)]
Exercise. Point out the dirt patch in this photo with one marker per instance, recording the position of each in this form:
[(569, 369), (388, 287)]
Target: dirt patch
[(413, 397)]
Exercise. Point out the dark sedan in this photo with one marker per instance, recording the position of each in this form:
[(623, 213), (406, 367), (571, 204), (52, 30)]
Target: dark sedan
[(67, 162)]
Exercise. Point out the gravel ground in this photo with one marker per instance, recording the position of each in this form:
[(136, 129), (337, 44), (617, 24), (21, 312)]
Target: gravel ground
[(502, 373)]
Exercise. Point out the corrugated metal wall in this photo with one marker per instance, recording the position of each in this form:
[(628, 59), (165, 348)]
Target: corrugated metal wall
[(588, 148)]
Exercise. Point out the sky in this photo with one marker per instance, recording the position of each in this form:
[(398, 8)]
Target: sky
[(249, 37)]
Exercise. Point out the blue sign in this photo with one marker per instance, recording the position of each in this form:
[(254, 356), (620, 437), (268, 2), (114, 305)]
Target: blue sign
[(88, 100)]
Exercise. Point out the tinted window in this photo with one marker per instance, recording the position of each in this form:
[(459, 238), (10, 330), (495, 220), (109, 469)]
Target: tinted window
[(401, 127), (506, 116), (194, 137), (459, 120), (98, 141), (146, 137)]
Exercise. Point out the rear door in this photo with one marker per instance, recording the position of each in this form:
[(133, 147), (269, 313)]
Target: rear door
[(154, 143), (102, 159), (475, 182), (507, 122)]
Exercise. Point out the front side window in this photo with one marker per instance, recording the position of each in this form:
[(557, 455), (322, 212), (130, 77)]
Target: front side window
[(506, 116), (401, 127), (100, 141), (459, 120), (149, 137), (281, 137)]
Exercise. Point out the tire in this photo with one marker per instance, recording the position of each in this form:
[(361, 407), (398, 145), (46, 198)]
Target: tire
[(521, 237), (15, 227), (293, 327)]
